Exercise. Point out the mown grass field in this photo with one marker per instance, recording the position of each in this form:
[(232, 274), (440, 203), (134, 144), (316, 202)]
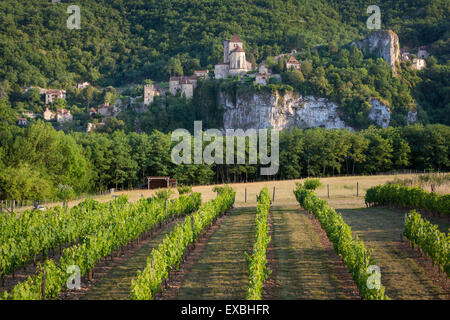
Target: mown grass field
[(342, 191)]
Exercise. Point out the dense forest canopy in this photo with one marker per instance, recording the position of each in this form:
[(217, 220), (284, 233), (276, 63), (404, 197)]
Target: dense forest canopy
[(124, 41)]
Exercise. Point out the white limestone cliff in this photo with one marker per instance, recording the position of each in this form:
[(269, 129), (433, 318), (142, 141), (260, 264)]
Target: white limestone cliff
[(265, 110)]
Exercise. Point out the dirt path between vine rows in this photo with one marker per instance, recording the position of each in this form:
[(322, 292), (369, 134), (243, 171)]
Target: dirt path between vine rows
[(306, 269), (221, 270), (402, 274)]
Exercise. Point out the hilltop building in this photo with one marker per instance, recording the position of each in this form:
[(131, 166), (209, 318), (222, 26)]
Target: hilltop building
[(422, 53), (48, 115), (149, 94), (234, 61), (183, 84), (263, 68), (22, 121), (105, 109), (292, 63), (63, 115), (418, 64), (83, 85), (201, 74), (52, 94)]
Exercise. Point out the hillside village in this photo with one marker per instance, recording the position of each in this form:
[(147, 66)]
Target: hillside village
[(234, 65)]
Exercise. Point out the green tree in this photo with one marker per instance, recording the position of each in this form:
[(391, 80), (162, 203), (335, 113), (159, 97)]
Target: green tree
[(24, 183)]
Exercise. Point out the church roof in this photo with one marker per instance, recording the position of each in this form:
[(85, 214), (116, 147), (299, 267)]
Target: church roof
[(235, 38), (293, 60)]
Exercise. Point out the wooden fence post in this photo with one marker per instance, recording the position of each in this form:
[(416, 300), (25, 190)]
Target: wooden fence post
[(273, 196), (357, 189), (43, 285), (328, 190), (246, 195)]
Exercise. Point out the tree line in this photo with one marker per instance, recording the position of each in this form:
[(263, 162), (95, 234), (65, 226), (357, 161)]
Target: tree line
[(38, 162)]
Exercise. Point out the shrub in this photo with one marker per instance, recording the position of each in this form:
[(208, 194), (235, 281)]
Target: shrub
[(312, 184), (184, 189)]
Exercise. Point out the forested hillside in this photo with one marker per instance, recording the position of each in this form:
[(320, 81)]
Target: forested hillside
[(123, 41), (127, 41)]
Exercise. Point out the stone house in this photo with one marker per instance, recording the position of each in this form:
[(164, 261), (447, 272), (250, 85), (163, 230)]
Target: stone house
[(418, 64), (292, 63), (52, 94), (183, 84), (22, 121), (29, 115), (201, 74), (63, 115), (48, 115), (234, 60), (150, 92), (264, 68), (422, 53), (83, 85), (105, 110), (262, 78)]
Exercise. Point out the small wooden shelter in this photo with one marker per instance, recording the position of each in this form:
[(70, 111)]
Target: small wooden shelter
[(161, 182)]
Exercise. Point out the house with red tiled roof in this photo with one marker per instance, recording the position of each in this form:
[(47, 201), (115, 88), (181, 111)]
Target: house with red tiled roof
[(22, 121), (292, 63), (52, 94), (63, 115)]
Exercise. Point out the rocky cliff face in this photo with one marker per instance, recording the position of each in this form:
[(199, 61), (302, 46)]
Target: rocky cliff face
[(379, 113), (384, 44), (264, 110)]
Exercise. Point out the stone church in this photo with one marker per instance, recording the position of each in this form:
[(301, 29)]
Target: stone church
[(234, 61)]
